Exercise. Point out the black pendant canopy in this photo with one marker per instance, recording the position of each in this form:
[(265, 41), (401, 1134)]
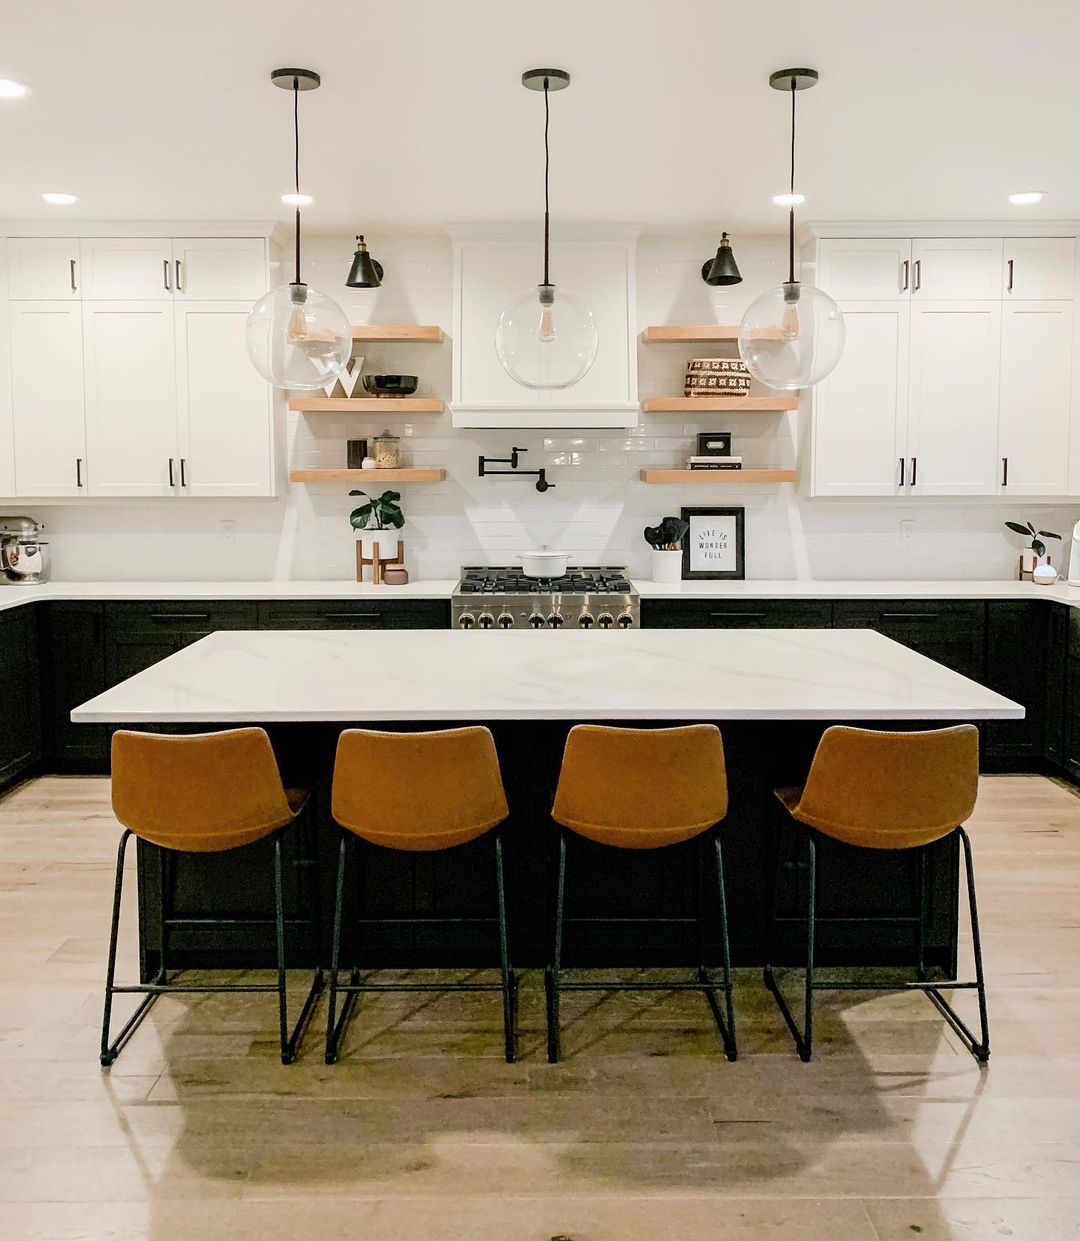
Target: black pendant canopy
[(366, 272), (722, 269)]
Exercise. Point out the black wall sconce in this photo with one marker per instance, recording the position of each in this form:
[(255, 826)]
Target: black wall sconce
[(542, 483), (366, 272), (722, 269)]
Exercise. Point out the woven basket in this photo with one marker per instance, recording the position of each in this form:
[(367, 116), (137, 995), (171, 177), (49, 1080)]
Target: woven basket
[(717, 377)]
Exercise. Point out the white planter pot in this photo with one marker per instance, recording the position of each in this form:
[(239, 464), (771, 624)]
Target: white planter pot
[(385, 540), (667, 566)]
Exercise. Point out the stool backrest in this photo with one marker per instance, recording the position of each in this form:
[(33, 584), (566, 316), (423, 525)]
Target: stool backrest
[(642, 788), (891, 790), (203, 792), (418, 791)]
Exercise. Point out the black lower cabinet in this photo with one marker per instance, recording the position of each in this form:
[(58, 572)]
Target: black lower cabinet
[(1016, 663), (359, 614), (736, 614), (138, 635), (73, 634), (20, 709), (1055, 665), (949, 631)]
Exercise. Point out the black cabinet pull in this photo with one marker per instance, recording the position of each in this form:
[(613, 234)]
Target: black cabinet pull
[(179, 284), (914, 470), (165, 268), (901, 471), (352, 616), (180, 616), (183, 471), (1004, 471), (740, 615), (78, 471), (917, 616), (1010, 285), (918, 275), (74, 287), (172, 480)]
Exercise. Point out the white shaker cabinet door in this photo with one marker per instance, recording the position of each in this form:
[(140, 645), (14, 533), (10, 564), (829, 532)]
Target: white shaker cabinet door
[(47, 398), (953, 398), (41, 268), (1039, 267), (956, 268), (860, 410), (219, 268), (864, 268), (127, 268), (131, 442), (225, 406), (1036, 397)]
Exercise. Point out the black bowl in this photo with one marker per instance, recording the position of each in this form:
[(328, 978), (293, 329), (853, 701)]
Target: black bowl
[(389, 385)]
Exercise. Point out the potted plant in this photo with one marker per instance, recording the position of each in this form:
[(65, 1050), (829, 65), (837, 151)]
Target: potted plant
[(382, 517), (667, 553), (1032, 557)]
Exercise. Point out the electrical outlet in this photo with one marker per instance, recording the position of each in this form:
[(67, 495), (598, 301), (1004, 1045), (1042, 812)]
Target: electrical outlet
[(228, 531), (907, 529)]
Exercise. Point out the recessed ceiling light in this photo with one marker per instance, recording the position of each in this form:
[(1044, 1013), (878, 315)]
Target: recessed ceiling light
[(1026, 197), (788, 200), (60, 200), (12, 90), (297, 200)]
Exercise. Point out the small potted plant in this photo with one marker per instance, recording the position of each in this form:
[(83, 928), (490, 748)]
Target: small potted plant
[(1034, 562), (666, 543), (381, 517)]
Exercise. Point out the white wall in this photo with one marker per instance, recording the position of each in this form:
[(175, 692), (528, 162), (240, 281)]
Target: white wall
[(598, 507)]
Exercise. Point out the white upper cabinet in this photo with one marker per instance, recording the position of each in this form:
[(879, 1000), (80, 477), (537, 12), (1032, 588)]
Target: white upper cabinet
[(224, 415), (219, 268), (131, 439), (1036, 391), (127, 268), (953, 398), (1039, 267), (43, 269), (956, 268), (47, 398), (865, 268)]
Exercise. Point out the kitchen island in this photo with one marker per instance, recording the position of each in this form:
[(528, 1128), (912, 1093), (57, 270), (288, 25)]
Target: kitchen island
[(772, 692)]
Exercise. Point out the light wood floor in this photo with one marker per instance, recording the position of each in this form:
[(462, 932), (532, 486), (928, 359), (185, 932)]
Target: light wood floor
[(643, 1133)]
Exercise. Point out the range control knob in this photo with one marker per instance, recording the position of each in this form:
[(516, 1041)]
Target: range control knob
[(605, 620), (487, 621), (536, 621), (626, 621), (466, 621), (506, 621), (556, 621), (586, 620)]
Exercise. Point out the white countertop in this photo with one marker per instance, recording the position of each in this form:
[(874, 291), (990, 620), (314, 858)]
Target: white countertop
[(893, 588), (780, 674)]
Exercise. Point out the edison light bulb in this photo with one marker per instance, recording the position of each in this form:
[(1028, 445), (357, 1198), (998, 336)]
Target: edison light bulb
[(791, 336), (546, 331), (530, 349), (789, 324)]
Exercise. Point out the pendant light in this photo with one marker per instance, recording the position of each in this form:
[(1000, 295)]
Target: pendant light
[(547, 338), (297, 337), (366, 272), (793, 335), (722, 269)]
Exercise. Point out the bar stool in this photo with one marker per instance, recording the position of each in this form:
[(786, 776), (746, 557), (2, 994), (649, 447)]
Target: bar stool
[(202, 793), (886, 790), (643, 788), (418, 792)]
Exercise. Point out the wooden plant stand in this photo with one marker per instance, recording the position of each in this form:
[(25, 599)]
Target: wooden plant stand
[(375, 561)]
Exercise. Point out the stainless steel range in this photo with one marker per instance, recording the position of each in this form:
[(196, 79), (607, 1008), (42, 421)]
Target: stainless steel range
[(583, 598)]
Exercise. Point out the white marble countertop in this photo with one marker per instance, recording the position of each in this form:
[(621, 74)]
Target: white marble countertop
[(892, 588), (780, 674)]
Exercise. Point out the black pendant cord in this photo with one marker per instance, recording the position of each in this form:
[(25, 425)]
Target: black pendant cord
[(791, 213), (547, 170), (296, 168)]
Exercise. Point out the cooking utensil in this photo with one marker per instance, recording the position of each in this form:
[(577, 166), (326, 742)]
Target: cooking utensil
[(543, 563), (668, 535)]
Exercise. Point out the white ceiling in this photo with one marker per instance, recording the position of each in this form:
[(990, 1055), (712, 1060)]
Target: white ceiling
[(929, 110)]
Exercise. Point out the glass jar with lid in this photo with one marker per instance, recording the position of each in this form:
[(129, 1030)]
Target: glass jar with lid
[(387, 449)]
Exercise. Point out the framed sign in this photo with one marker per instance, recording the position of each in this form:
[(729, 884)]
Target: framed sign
[(714, 546)]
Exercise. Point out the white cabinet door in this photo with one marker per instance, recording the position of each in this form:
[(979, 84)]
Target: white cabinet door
[(956, 268), (1038, 267), (47, 398), (225, 409), (864, 268), (130, 398), (219, 268), (860, 410), (41, 268), (127, 268), (953, 398), (1036, 397)]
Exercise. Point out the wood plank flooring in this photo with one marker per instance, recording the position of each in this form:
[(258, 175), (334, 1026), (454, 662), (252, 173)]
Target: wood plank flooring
[(644, 1132)]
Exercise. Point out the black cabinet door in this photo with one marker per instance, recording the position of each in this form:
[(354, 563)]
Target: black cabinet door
[(1054, 670), (949, 631), (138, 635), (74, 636), (1016, 649), (20, 708), (355, 614), (736, 614), (1071, 731)]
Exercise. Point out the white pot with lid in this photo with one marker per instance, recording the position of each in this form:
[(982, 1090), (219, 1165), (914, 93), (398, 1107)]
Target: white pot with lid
[(543, 563)]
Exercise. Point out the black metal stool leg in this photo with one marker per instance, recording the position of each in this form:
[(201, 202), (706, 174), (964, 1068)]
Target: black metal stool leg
[(803, 1038), (551, 975), (509, 978), (109, 1051), (730, 1045), (279, 935), (333, 1028)]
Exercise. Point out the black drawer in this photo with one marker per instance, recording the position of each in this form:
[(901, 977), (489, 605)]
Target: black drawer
[(950, 631), (736, 614), (355, 614), (184, 615)]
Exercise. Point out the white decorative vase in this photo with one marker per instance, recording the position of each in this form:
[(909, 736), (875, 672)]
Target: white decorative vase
[(666, 566), (1044, 573)]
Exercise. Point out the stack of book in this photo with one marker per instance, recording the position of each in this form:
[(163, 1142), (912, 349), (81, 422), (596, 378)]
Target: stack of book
[(714, 463)]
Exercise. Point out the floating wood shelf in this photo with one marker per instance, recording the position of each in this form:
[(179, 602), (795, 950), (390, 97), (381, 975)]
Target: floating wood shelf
[(404, 333), (719, 476), (717, 404), (698, 333), (366, 405), (367, 476)]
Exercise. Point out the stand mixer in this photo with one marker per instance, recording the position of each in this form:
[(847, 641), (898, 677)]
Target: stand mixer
[(23, 553)]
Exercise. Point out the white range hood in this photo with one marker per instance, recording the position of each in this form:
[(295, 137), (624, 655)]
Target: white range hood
[(492, 268)]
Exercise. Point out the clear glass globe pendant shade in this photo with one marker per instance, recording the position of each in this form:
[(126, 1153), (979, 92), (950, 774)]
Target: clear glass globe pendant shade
[(298, 338), (791, 336), (547, 338)]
